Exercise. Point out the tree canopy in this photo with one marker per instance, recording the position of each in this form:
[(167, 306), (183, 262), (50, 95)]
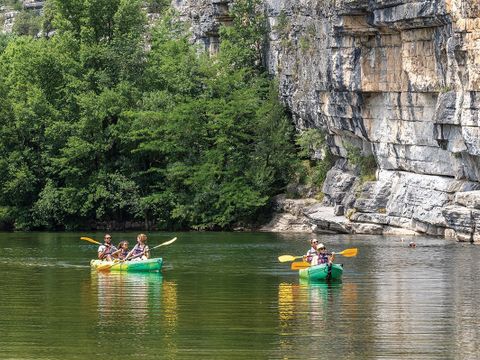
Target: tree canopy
[(98, 129)]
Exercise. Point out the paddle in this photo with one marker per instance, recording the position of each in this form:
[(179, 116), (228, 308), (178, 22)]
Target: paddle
[(90, 240), (347, 252), (285, 258), (153, 248), (303, 264), (300, 265)]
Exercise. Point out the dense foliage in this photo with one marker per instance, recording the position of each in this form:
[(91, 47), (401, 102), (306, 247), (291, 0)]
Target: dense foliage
[(97, 128)]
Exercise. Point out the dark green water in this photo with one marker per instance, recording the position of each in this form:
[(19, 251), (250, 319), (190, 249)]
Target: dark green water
[(225, 296)]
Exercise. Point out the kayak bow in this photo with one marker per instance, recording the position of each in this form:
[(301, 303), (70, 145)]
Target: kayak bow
[(322, 272)]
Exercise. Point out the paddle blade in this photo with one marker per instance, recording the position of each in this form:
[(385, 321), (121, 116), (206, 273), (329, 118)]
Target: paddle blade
[(300, 265), (348, 252), (104, 267), (285, 258), (165, 243), (90, 240)]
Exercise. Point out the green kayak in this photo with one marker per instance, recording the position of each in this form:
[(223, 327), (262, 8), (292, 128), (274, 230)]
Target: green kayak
[(322, 273), (131, 265)]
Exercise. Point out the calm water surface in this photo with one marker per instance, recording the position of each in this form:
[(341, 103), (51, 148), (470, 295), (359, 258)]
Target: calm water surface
[(225, 296)]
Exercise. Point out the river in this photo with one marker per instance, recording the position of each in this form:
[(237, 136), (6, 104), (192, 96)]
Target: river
[(225, 296)]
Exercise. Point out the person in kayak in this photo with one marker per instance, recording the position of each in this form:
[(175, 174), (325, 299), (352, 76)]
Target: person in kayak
[(323, 257), (312, 252), (106, 250), (123, 250), (140, 250)]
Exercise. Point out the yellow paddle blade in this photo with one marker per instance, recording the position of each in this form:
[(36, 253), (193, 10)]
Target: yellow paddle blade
[(90, 240), (300, 265), (104, 267), (165, 243), (285, 258), (107, 266), (348, 252)]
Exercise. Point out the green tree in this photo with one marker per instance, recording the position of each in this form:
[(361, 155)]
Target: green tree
[(214, 137), (242, 44), (95, 129), (29, 93)]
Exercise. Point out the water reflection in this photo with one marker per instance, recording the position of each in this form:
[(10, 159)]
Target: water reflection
[(311, 310), (136, 300), (126, 296), (170, 319), (310, 298)]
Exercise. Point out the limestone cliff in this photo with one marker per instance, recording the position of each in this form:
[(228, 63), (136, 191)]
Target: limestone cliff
[(398, 79)]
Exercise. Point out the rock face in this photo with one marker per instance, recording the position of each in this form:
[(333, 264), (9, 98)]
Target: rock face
[(7, 15), (398, 79), (8, 19), (289, 216), (205, 17)]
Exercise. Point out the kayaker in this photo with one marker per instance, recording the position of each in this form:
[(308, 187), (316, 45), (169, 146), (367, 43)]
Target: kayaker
[(324, 257), (106, 250), (123, 250), (140, 250), (312, 252)]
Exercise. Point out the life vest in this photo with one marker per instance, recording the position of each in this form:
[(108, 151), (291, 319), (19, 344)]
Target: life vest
[(138, 249), (123, 254), (110, 250), (323, 258)]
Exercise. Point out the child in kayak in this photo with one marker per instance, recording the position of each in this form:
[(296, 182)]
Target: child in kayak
[(106, 250), (140, 251), (122, 250)]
